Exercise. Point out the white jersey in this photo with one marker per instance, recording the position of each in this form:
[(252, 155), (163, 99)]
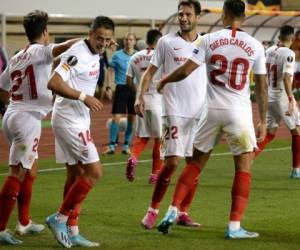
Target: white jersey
[(26, 77), (79, 68), (229, 59), (185, 98), (137, 65), (280, 60)]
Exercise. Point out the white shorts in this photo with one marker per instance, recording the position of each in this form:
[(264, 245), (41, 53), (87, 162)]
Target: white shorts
[(236, 125), (73, 145), (150, 125), (178, 136), (23, 132), (276, 113)]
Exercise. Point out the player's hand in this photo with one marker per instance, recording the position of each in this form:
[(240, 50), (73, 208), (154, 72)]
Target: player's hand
[(93, 103), (261, 131), (108, 94), (160, 87), (139, 106), (290, 107)]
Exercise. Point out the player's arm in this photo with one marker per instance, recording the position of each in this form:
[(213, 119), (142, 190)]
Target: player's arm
[(59, 87), (287, 81), (144, 86), (130, 83), (261, 93), (179, 74), (5, 86), (62, 47)]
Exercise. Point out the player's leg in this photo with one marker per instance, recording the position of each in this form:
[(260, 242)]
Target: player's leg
[(273, 120), (157, 163), (25, 225), (72, 223), (139, 144), (240, 135), (160, 189), (22, 131), (296, 152), (113, 133)]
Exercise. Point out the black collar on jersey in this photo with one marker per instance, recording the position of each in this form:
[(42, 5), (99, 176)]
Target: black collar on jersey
[(179, 34), (89, 46)]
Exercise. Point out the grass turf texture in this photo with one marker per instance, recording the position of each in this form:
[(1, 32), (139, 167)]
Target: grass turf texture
[(112, 212)]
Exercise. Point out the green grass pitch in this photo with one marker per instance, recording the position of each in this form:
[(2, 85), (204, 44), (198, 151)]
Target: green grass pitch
[(112, 212)]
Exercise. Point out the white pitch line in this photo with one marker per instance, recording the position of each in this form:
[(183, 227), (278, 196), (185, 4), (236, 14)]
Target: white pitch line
[(149, 160)]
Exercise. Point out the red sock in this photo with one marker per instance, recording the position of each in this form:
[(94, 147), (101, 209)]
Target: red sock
[(296, 151), (185, 184), (261, 146), (157, 163), (161, 185), (186, 203), (74, 215), (8, 197), (139, 145), (239, 195), (76, 195), (24, 199)]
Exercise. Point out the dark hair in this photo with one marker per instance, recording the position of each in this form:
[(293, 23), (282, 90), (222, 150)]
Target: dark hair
[(297, 33), (35, 24), (286, 31), (194, 3), (103, 22), (235, 7), (152, 36)]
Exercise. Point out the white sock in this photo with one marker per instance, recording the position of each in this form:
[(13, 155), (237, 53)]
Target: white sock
[(61, 217), (297, 170), (234, 225), (172, 208), (73, 230), (150, 209)]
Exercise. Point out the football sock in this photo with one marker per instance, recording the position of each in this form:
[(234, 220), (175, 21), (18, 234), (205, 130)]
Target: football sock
[(161, 185), (139, 145), (296, 151), (186, 203), (128, 133), (73, 230), (74, 215), (24, 199), (239, 195), (8, 197), (234, 225), (157, 163), (113, 132), (187, 182), (261, 146), (76, 195)]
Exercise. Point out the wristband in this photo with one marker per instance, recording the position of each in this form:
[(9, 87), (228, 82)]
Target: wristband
[(82, 96), (291, 98)]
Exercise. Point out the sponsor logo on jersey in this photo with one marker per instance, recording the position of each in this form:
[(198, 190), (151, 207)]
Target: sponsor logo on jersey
[(195, 51), (290, 59), (177, 48), (72, 60)]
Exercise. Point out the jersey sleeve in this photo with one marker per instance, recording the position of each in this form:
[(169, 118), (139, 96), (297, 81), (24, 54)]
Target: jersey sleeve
[(199, 53), (4, 80), (259, 66), (130, 69), (70, 65), (289, 63), (158, 57)]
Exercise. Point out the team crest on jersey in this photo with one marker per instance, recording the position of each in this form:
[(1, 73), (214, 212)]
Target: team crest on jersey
[(195, 51), (72, 60), (290, 59)]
